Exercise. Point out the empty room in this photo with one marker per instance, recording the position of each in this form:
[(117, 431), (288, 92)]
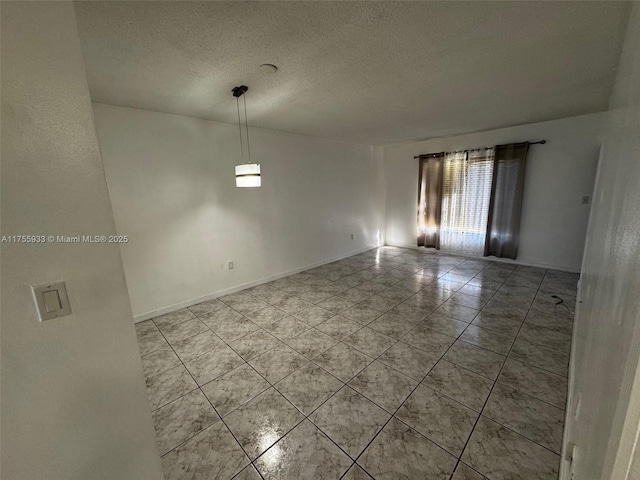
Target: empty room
[(360, 240)]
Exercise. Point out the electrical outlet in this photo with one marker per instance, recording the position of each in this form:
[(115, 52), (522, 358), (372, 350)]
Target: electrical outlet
[(352, 236), (230, 265)]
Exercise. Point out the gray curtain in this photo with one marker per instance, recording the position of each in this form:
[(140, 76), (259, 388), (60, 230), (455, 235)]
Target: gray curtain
[(505, 207), (430, 188)]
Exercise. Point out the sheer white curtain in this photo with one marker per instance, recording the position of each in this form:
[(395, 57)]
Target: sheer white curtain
[(465, 201)]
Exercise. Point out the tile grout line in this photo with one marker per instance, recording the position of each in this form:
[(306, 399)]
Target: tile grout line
[(210, 403), (493, 387), (362, 326)]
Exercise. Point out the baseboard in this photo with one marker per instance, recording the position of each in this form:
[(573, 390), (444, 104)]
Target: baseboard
[(492, 259), (220, 293)]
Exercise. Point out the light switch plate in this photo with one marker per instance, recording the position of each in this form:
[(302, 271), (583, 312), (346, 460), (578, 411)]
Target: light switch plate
[(51, 300)]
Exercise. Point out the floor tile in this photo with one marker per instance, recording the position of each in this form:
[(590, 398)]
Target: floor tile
[(174, 332), (308, 387), (484, 293), (548, 387), (545, 337), (387, 279), (548, 359), (526, 415), (436, 292), (296, 288), (145, 328), (488, 339), (369, 341), (357, 473), (287, 328), (424, 301), (505, 310), (237, 297), (159, 361), (428, 340), (552, 322), (408, 360), (460, 384), (333, 287), (470, 301), (167, 386), (442, 420), (409, 312), (204, 309), (314, 315), (292, 305), (191, 347), (396, 293), (254, 344), (315, 296), (305, 452), (213, 364), (173, 317), (354, 295), (362, 314), (497, 323), (343, 361), (501, 454), (371, 287), (277, 363), (379, 303), (229, 324), (234, 389), (463, 472), (151, 341), (401, 452), (262, 421), (266, 316), (446, 325), (339, 327), (249, 473), (476, 359), (350, 420), (311, 343), (392, 325), (383, 385), (458, 312), (545, 303), (181, 419), (261, 291), (275, 297), (213, 453), (336, 305), (249, 305)]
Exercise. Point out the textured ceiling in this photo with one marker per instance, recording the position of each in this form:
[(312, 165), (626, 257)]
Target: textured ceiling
[(371, 72)]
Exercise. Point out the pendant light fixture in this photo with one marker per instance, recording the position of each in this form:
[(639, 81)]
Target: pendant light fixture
[(247, 173)]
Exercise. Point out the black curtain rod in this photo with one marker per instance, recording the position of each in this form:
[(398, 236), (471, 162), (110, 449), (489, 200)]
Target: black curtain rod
[(541, 142)]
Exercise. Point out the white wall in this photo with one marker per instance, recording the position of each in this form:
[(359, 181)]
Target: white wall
[(606, 340), (172, 185), (558, 175), (74, 405)]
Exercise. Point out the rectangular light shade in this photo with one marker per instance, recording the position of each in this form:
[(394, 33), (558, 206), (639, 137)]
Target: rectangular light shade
[(248, 175)]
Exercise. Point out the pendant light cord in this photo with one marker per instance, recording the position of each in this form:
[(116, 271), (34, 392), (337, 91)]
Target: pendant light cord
[(240, 128), (246, 124)]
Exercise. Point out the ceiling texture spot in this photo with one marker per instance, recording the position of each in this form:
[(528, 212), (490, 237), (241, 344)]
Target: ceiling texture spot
[(377, 73)]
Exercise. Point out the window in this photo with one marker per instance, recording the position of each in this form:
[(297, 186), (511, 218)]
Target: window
[(466, 195), (470, 202)]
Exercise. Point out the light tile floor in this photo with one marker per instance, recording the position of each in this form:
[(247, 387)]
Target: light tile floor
[(392, 364)]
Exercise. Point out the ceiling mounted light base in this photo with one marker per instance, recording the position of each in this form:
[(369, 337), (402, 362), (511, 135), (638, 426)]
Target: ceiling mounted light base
[(248, 175)]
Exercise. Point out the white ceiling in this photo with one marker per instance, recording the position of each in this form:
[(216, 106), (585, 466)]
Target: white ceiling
[(370, 72)]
